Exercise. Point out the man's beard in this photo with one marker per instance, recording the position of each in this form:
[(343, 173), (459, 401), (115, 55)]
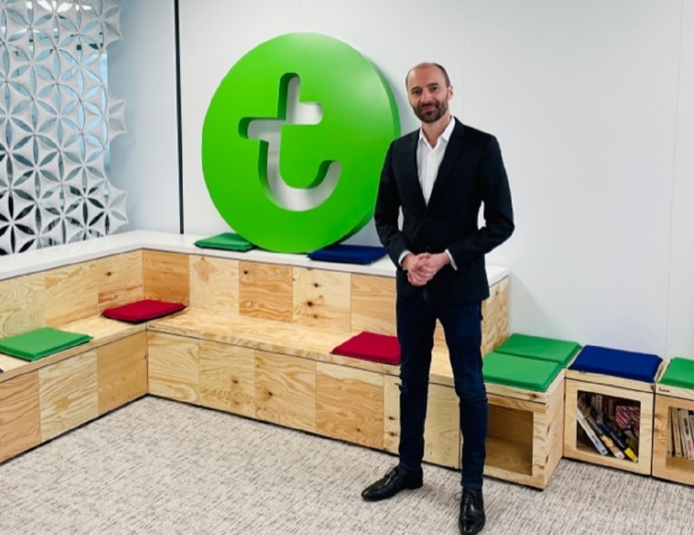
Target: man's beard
[(431, 115)]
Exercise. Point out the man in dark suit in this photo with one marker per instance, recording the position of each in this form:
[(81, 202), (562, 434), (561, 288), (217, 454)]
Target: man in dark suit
[(440, 176)]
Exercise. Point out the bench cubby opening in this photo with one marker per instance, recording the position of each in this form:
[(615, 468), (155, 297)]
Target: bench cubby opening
[(665, 465), (627, 392), (524, 439)]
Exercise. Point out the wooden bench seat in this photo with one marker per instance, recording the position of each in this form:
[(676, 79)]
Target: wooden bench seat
[(103, 331), (279, 337), (273, 371), (674, 392), (43, 399), (255, 341)]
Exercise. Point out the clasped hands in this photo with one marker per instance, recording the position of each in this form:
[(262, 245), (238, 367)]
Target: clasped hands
[(421, 268)]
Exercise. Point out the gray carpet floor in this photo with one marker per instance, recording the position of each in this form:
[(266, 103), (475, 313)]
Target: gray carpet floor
[(157, 466)]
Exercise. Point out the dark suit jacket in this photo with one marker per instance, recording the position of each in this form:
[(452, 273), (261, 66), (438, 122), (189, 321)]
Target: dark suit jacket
[(472, 174)]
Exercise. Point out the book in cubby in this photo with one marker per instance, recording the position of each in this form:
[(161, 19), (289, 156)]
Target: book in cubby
[(609, 425), (680, 440)]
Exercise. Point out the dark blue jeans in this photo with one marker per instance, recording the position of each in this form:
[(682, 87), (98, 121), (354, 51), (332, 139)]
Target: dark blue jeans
[(416, 321)]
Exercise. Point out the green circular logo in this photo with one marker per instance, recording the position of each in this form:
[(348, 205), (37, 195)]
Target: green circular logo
[(334, 160)]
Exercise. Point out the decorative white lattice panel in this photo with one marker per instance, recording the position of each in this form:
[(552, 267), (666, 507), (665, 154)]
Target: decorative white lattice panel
[(57, 119)]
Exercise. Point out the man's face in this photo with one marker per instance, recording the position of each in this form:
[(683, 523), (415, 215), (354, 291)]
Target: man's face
[(428, 93)]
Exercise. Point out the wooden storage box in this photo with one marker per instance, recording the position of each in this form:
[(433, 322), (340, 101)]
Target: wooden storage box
[(584, 380), (675, 390), (526, 408)]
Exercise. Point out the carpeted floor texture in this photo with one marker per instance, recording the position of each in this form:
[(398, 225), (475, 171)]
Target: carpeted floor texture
[(160, 467)]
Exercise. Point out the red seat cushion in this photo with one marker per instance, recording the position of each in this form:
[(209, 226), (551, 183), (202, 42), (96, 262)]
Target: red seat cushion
[(372, 347), (144, 310)]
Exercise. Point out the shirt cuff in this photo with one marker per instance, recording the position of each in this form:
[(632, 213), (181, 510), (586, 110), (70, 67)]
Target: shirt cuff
[(402, 257), (450, 257)]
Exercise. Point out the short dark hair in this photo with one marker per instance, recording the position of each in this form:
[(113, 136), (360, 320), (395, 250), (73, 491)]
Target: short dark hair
[(430, 64)]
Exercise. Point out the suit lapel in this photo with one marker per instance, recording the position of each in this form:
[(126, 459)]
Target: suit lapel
[(412, 178), (453, 150)]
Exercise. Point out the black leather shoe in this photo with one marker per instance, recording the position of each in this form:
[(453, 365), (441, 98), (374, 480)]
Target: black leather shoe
[(472, 517), (394, 481)]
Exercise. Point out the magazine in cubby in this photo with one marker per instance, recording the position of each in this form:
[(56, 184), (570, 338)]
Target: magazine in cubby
[(608, 425)]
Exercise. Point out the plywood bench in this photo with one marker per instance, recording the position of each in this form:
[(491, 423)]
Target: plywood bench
[(674, 392), (615, 388), (285, 374), (257, 337), (263, 351), (255, 340), (42, 399)]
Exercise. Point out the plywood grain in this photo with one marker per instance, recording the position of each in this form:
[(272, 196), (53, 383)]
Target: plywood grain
[(600, 379), (266, 291), (573, 449), (442, 427), (322, 299), (173, 367), (68, 394), (674, 391), (391, 413), (441, 371), (511, 423), (20, 417), (373, 304), (166, 276), (495, 314), (265, 335), (22, 304), (509, 461), (122, 372), (349, 405), (71, 293), (524, 440), (510, 438), (103, 329), (285, 390), (10, 365), (439, 336), (553, 447), (214, 285), (678, 469), (119, 279), (227, 378)]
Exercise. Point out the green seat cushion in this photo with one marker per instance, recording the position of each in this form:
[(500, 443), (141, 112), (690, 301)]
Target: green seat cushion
[(536, 347), (680, 372), (40, 343), (519, 372), (227, 241)]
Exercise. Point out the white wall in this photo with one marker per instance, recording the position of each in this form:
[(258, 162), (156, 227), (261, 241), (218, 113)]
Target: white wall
[(680, 317), (142, 71), (592, 102), (583, 96)]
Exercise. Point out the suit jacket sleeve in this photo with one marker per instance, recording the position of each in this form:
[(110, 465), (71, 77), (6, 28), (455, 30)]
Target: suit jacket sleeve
[(498, 210), (387, 212)]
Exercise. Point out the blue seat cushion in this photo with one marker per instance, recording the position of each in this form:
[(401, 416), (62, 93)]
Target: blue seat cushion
[(348, 254), (617, 363)]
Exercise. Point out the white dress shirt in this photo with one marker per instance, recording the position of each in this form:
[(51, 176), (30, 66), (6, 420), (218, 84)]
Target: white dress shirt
[(429, 158)]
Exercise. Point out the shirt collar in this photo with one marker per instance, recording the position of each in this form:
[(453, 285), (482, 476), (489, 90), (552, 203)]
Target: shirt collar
[(445, 135)]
